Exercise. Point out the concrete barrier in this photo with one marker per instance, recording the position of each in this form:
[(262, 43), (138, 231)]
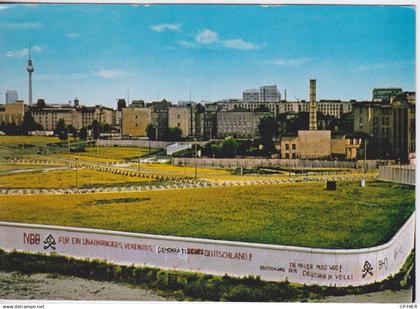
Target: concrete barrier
[(133, 143), (270, 262), (282, 163), (404, 174)]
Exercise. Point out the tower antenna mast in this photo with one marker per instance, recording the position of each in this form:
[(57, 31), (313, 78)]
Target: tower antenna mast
[(30, 69)]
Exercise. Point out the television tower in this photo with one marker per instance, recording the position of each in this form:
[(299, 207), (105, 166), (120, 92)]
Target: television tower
[(30, 69)]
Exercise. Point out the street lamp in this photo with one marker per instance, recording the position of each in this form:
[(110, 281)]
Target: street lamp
[(77, 158), (138, 161), (195, 162)]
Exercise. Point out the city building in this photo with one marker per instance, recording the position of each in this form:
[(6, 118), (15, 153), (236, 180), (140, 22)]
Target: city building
[(388, 127), (334, 108), (248, 106), (308, 144), (49, 115), (385, 94), (11, 96), (185, 103), (189, 118), (99, 113), (251, 95), (76, 115), (135, 120), (160, 117), (239, 123), (264, 94), (269, 94), (12, 113)]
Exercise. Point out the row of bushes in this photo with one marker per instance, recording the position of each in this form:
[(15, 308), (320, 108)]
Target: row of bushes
[(193, 286)]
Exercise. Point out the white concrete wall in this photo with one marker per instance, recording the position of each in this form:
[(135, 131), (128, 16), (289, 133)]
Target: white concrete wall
[(271, 262), (173, 148), (133, 143), (405, 174), (285, 163)]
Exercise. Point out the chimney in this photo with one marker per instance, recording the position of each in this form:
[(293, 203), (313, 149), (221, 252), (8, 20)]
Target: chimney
[(312, 105)]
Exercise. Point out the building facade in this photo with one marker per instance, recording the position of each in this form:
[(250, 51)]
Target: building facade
[(11, 96), (134, 120), (334, 108), (308, 144), (389, 127), (75, 115), (243, 124), (12, 113), (269, 94), (251, 95), (385, 94)]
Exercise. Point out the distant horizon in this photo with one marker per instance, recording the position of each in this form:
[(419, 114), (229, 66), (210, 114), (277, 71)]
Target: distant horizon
[(99, 53)]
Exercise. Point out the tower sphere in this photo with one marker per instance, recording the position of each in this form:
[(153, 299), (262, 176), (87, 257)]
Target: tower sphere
[(30, 68)]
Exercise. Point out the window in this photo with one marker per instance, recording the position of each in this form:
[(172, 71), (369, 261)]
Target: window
[(178, 124), (293, 156), (294, 146), (287, 156), (286, 146)]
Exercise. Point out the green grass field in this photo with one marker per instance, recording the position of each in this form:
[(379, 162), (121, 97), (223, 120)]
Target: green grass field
[(183, 171), (114, 153), (303, 214), (33, 140), (65, 179), (5, 168)]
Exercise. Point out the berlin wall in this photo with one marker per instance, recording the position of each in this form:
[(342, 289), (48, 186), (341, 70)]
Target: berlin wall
[(133, 143), (283, 163), (405, 174), (270, 262)]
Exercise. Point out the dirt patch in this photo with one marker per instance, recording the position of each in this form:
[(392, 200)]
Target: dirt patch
[(57, 287)]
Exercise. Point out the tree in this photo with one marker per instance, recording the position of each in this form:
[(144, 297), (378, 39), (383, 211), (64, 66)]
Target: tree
[(173, 134), (72, 130), (83, 133), (230, 147), (268, 128), (29, 124), (11, 129), (61, 130), (151, 132), (95, 129)]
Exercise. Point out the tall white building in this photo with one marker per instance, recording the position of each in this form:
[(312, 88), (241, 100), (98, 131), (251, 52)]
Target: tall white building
[(264, 94), (269, 94), (11, 96), (251, 95)]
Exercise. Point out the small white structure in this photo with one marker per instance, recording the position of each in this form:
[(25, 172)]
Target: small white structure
[(173, 148), (41, 133)]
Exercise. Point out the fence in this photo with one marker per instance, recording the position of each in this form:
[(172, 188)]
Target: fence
[(405, 174), (133, 143), (282, 163), (270, 262)]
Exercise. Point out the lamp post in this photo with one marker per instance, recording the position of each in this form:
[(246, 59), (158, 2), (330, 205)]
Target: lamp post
[(97, 152), (364, 156), (195, 162), (76, 159), (138, 160), (68, 141)]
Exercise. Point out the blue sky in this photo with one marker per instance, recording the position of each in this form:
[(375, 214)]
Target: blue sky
[(97, 52)]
